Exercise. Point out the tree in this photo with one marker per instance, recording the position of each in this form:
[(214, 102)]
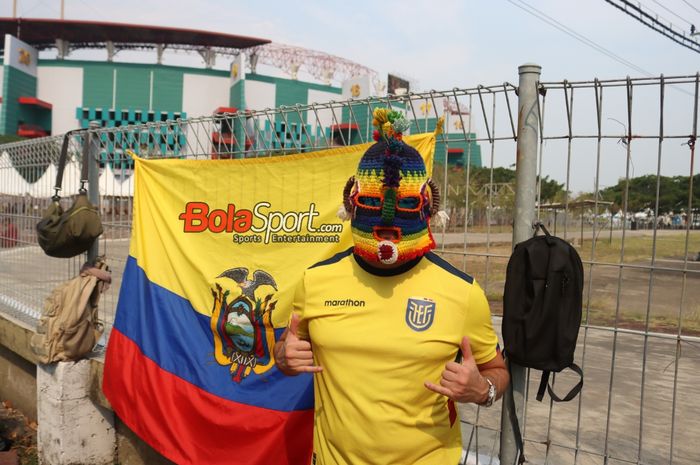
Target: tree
[(550, 190), (673, 193), (490, 191)]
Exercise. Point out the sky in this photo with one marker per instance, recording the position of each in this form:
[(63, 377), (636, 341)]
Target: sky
[(455, 43), (441, 44)]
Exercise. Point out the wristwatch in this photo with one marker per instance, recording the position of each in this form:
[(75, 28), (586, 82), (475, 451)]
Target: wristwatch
[(491, 394)]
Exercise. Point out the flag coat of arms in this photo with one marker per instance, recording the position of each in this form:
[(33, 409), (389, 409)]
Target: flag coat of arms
[(217, 249)]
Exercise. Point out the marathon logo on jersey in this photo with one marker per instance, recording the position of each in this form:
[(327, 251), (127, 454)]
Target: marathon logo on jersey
[(420, 313), (344, 303)]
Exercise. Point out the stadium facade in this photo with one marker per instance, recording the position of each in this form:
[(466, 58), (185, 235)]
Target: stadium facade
[(51, 96)]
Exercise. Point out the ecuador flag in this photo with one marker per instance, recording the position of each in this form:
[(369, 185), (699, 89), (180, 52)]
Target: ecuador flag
[(217, 248)]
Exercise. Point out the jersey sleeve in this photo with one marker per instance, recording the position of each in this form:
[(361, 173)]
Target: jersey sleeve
[(478, 326), (298, 306)]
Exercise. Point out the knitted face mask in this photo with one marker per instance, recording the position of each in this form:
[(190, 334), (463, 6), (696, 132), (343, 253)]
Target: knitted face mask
[(390, 204)]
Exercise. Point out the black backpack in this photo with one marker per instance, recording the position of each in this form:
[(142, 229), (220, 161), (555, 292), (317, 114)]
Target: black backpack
[(542, 311)]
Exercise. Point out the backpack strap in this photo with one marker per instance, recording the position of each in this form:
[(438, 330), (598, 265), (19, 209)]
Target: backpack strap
[(537, 225), (84, 170), (515, 424), (62, 164), (574, 391), (544, 382)]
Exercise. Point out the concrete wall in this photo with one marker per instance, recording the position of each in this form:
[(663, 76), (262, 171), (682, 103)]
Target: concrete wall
[(2, 74), (18, 384), (131, 450), (325, 117), (201, 95), (16, 83), (259, 95), (63, 88)]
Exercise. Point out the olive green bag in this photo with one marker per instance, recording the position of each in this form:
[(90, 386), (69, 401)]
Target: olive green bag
[(68, 233)]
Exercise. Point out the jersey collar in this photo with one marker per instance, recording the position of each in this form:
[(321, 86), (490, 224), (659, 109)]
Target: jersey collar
[(386, 271)]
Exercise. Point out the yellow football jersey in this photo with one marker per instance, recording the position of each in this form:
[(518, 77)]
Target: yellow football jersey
[(379, 334)]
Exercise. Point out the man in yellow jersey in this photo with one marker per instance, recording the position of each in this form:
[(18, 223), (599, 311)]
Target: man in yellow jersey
[(393, 333)]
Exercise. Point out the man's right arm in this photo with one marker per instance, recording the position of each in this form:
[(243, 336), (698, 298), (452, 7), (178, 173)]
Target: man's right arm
[(292, 354)]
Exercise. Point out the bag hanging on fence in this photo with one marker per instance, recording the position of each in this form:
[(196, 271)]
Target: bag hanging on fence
[(68, 233), (69, 327), (542, 312)]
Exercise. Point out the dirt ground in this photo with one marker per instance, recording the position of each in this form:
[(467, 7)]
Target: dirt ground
[(17, 437), (632, 296), (662, 300)]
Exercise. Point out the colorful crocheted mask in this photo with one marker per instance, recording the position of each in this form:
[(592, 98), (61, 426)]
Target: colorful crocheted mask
[(389, 198)]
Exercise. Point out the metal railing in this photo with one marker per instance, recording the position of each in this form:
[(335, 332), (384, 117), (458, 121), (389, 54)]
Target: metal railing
[(594, 143)]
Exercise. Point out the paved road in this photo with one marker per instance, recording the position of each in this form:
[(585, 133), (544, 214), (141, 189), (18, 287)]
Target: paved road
[(659, 381)]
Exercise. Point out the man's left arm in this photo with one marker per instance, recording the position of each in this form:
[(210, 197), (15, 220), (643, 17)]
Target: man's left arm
[(465, 381), (495, 371)]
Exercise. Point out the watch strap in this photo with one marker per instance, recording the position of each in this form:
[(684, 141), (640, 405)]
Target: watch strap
[(491, 393)]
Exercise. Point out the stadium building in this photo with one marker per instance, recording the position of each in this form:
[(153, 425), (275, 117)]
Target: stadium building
[(51, 95)]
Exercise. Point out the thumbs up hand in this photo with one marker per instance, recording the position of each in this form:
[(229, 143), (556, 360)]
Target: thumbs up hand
[(294, 355), (462, 382)]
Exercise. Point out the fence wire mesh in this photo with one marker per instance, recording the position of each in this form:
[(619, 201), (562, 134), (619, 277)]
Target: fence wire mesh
[(616, 177)]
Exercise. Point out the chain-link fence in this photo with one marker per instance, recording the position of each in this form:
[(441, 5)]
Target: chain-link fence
[(615, 176)]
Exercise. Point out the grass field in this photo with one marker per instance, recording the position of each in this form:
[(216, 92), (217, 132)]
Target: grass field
[(640, 248)]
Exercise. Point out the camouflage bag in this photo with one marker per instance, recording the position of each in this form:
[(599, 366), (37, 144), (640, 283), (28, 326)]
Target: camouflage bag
[(69, 327)]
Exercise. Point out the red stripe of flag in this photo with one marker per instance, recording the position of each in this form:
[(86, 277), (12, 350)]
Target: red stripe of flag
[(149, 400)]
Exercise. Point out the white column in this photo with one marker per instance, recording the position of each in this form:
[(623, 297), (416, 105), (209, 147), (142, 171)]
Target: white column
[(73, 430)]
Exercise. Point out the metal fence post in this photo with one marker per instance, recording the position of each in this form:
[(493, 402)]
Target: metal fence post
[(90, 155), (525, 196)]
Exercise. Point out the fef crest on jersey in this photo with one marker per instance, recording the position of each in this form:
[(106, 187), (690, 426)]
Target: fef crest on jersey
[(420, 313), (242, 327)]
